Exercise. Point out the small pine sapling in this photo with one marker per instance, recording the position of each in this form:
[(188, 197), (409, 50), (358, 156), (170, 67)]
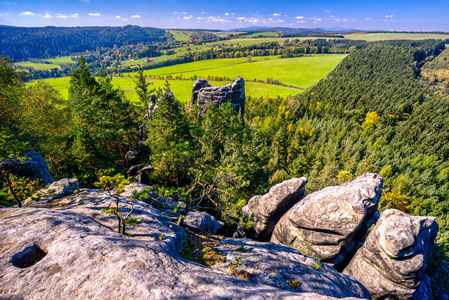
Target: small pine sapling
[(115, 186)]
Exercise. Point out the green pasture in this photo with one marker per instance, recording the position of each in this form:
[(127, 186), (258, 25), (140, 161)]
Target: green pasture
[(61, 60), (36, 66), (265, 33), (300, 72), (180, 35), (372, 37)]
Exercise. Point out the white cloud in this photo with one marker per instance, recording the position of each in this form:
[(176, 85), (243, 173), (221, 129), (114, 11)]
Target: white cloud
[(118, 17), (125, 20), (241, 18), (187, 18), (367, 19), (27, 13), (302, 21), (345, 20), (389, 16), (281, 21), (300, 17), (328, 11), (276, 14), (226, 14), (47, 15), (317, 19), (175, 13), (75, 15), (233, 14), (3, 14), (184, 13), (61, 16), (94, 14), (135, 16), (332, 16)]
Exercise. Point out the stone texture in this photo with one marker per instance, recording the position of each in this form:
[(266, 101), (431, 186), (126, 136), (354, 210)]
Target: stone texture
[(203, 94), (276, 265), (327, 224), (56, 190), (35, 167), (265, 210), (70, 252), (393, 258), (203, 221)]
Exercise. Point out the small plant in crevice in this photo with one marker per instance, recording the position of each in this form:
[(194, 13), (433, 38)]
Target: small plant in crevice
[(233, 269), (318, 265), (294, 284), (115, 185), (212, 255)]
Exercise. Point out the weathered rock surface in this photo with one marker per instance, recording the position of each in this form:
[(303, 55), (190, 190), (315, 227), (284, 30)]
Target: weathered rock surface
[(277, 265), (35, 167), (203, 94), (203, 221), (70, 252), (56, 190), (265, 210), (324, 224), (393, 258)]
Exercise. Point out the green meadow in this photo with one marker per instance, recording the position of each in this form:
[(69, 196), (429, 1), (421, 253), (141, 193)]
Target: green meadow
[(372, 37), (180, 35), (300, 72), (37, 66)]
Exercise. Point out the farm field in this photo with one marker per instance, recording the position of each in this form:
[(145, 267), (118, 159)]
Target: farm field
[(301, 72), (182, 89), (372, 37), (60, 60), (180, 35), (37, 66)]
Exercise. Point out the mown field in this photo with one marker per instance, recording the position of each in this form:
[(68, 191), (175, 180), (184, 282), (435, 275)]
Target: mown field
[(299, 72), (37, 66), (180, 35), (372, 37)]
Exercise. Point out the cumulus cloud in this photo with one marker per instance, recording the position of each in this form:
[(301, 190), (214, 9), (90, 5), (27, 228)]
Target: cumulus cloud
[(248, 20), (276, 14), (94, 14), (118, 17), (61, 16), (47, 15), (184, 13), (188, 18), (300, 17), (175, 13), (281, 21), (75, 15), (27, 13), (389, 16), (226, 14), (135, 16)]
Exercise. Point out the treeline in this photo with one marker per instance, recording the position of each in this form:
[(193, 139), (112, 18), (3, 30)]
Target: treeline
[(44, 42)]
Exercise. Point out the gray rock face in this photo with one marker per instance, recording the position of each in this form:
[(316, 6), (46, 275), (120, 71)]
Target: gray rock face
[(324, 224), (393, 258), (265, 211), (35, 167), (71, 252), (56, 190), (280, 266), (203, 94), (203, 221)]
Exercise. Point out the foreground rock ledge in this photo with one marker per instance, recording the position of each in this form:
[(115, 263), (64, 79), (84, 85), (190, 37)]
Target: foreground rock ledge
[(327, 223), (65, 253), (392, 261)]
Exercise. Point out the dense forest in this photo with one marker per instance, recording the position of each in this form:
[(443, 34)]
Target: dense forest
[(44, 42), (374, 112)]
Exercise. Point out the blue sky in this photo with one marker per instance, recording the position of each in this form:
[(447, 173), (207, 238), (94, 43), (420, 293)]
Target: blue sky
[(374, 15)]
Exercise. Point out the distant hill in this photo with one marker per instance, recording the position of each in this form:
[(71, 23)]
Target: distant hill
[(41, 42), (289, 30)]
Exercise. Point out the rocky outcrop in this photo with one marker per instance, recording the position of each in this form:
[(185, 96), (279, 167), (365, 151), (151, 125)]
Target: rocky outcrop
[(327, 223), (392, 260), (263, 211), (203, 94), (71, 252), (286, 268), (203, 221), (30, 165), (56, 190)]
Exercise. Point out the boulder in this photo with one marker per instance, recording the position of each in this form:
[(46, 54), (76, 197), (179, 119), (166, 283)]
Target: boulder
[(392, 260), (263, 211), (327, 224), (203, 221), (56, 190), (72, 252), (34, 166), (286, 268)]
